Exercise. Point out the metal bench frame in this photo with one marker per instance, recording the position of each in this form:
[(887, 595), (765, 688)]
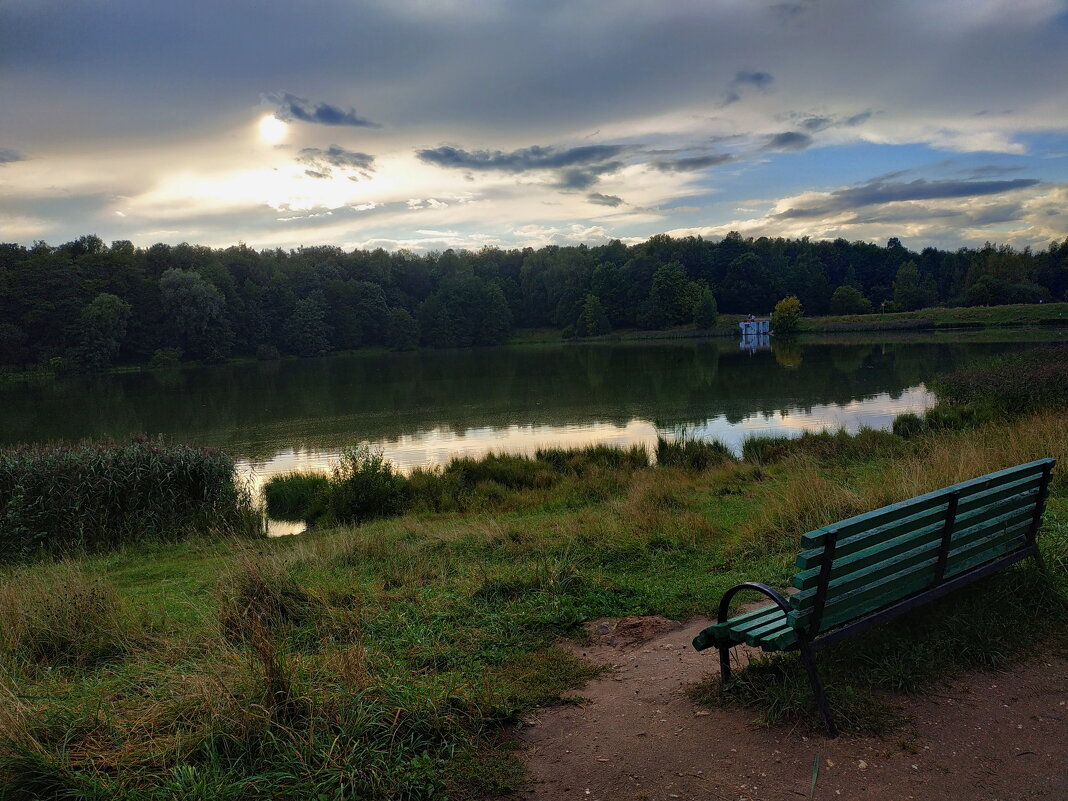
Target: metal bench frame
[(810, 641)]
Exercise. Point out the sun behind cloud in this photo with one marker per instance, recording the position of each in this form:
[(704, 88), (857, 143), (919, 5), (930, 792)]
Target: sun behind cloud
[(272, 129)]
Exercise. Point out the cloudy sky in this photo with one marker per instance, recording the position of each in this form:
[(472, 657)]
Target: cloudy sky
[(429, 124)]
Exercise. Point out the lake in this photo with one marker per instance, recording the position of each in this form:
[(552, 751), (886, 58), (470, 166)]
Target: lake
[(425, 407)]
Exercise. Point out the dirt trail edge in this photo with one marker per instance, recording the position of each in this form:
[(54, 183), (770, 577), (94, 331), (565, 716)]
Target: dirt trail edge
[(996, 736)]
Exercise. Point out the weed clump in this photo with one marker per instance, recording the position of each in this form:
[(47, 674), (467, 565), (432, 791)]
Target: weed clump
[(365, 485), (261, 595)]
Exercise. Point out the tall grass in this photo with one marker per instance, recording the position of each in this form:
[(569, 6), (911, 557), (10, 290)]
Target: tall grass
[(94, 496)]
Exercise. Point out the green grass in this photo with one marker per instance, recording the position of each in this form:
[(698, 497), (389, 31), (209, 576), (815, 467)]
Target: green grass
[(388, 660)]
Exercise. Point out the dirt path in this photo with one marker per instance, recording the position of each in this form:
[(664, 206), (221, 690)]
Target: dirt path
[(986, 736)]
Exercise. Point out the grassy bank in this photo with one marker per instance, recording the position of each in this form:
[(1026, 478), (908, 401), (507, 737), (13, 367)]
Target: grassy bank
[(387, 660), (1028, 314)]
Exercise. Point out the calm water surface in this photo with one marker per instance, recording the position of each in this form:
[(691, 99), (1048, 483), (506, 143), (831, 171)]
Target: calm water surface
[(424, 408)]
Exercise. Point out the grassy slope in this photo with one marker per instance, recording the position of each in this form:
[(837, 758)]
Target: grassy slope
[(977, 316), (382, 661)]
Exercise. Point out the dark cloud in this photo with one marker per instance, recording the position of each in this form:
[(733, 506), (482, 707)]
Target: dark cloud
[(880, 191), (761, 80), (787, 11), (585, 177), (7, 155), (819, 122), (744, 78), (290, 107), (604, 200), (990, 170), (692, 163), (529, 158), (788, 141), (578, 168), (321, 163)]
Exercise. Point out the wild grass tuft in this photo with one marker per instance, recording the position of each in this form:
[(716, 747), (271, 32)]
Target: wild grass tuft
[(63, 617), (262, 595)]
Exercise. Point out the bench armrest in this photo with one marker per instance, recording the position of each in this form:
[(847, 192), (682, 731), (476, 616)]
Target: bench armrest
[(763, 589)]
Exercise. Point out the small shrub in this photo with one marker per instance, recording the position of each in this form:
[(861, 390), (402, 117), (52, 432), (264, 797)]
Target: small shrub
[(365, 486), (692, 454), (908, 425), (786, 317), (296, 495)]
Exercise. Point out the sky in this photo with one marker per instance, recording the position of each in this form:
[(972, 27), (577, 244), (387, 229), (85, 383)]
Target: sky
[(430, 124)]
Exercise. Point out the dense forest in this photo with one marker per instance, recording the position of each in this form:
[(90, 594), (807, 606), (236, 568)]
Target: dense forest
[(86, 305)]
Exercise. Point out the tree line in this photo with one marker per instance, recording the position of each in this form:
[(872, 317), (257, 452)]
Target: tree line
[(89, 305)]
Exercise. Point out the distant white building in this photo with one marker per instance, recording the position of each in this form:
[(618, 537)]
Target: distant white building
[(755, 325)]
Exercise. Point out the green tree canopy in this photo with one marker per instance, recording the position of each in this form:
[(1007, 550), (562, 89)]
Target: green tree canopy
[(849, 300), (102, 327), (706, 311)]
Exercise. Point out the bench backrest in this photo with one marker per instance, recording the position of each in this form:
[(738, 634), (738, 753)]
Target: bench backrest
[(876, 559)]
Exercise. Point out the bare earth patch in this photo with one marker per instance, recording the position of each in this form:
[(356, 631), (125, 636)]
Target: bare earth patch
[(982, 737)]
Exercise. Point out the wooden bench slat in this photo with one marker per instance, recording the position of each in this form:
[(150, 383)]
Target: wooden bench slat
[(906, 508), (902, 523), (858, 560), (919, 552), (998, 540), (964, 540), (849, 614)]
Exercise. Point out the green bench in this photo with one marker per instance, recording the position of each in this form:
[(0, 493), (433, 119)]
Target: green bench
[(870, 568)]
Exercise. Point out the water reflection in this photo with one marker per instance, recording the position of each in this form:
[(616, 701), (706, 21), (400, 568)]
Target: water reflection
[(435, 447)]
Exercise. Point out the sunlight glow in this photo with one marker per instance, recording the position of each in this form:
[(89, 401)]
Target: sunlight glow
[(272, 129)]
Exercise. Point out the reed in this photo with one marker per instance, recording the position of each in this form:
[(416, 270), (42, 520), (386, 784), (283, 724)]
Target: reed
[(57, 499)]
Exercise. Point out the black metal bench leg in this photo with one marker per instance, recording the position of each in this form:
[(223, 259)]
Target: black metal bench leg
[(724, 666), (817, 688)]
